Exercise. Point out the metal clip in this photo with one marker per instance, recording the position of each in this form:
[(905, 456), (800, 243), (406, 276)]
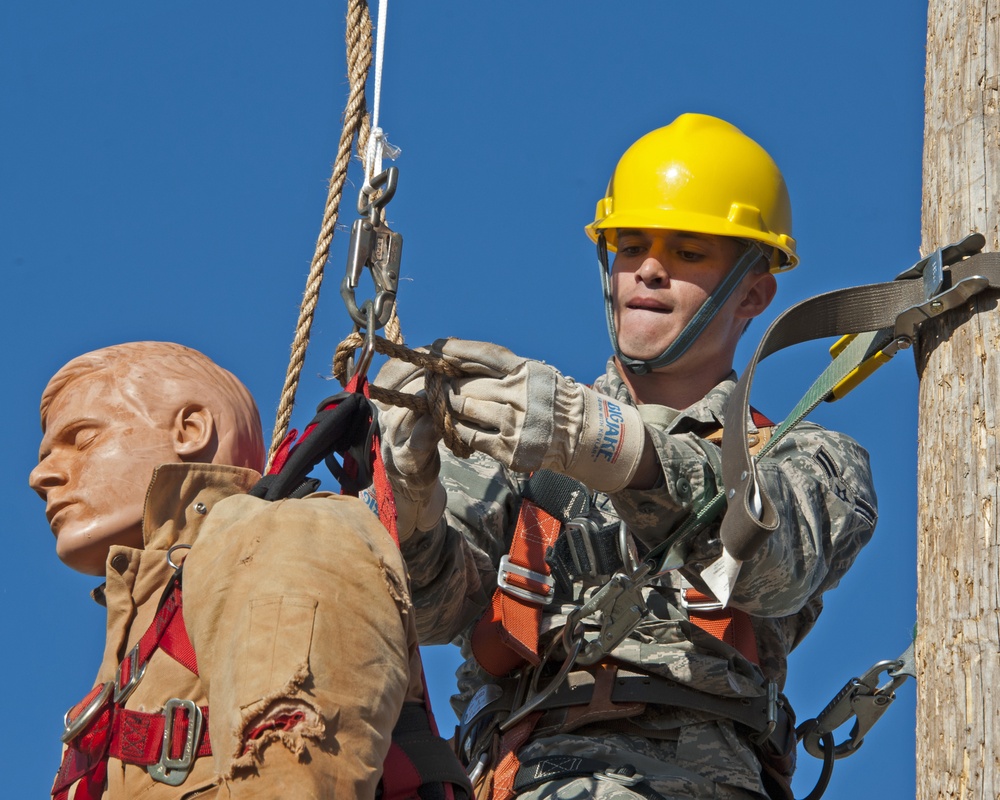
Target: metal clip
[(937, 299), (375, 246), (861, 698), (772, 714), (547, 582), (135, 673), (74, 727), (174, 771), (379, 249), (622, 606), (386, 181), (620, 776)]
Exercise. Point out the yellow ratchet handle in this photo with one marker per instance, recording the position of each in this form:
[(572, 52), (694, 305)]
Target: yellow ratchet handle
[(860, 372)]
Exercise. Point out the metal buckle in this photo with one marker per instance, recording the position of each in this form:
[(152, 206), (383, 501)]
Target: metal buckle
[(135, 673), (508, 567), (73, 728), (704, 605), (611, 775), (174, 771), (937, 299)]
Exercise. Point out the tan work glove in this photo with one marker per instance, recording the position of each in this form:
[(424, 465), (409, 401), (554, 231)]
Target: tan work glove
[(410, 454), (528, 416)]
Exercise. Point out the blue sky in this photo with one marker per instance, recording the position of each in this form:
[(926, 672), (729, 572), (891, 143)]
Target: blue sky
[(163, 175)]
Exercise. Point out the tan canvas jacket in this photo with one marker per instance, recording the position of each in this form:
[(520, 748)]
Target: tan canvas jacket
[(293, 607)]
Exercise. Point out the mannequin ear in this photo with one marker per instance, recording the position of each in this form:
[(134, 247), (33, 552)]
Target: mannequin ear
[(757, 295), (194, 433)]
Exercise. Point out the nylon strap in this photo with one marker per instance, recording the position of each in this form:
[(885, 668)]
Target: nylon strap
[(508, 764), (865, 310), (137, 737), (131, 736), (507, 636), (730, 625)]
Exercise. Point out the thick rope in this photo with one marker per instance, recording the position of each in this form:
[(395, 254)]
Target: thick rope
[(435, 369), (359, 58)]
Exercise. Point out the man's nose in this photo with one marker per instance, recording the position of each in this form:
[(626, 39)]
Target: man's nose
[(45, 476), (654, 269)]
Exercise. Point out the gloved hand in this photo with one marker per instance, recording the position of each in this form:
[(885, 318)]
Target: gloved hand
[(528, 416), (409, 451)]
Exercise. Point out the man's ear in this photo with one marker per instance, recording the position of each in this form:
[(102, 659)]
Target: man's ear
[(758, 294), (194, 434)]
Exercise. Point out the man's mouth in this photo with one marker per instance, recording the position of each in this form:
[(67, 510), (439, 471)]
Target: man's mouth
[(648, 304), (54, 510)]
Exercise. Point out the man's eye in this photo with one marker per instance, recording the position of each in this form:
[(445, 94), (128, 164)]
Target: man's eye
[(631, 249), (83, 438), (690, 255)]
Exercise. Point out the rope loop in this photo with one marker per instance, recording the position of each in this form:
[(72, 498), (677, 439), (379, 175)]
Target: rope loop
[(436, 372)]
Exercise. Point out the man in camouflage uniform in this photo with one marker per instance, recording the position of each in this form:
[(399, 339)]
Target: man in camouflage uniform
[(699, 219)]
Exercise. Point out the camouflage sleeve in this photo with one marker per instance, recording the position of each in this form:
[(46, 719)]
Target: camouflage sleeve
[(452, 568), (822, 480), (819, 480), (691, 472)]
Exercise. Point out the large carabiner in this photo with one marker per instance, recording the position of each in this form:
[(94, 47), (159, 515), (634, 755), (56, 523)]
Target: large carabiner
[(863, 699), (379, 249)]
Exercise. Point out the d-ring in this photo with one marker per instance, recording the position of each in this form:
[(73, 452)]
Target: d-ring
[(170, 552)]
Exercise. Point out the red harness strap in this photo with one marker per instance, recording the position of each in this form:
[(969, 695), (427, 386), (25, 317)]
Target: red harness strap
[(507, 636), (99, 726)]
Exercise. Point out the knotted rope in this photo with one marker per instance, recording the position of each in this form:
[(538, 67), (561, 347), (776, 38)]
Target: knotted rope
[(356, 124), (436, 369)]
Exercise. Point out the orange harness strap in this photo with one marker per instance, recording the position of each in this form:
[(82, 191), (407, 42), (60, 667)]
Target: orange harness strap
[(507, 636), (730, 625)]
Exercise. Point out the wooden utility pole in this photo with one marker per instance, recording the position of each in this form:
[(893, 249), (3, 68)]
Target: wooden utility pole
[(958, 558)]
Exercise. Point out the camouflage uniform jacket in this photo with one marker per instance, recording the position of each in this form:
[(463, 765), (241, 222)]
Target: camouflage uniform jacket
[(820, 480)]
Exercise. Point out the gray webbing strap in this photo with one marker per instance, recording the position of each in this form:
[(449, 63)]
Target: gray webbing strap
[(883, 312)]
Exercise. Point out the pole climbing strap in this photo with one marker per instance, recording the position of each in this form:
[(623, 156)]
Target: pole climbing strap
[(886, 317), (880, 320)]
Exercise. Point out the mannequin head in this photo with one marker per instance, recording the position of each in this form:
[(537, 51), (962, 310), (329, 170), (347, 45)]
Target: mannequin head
[(110, 417)]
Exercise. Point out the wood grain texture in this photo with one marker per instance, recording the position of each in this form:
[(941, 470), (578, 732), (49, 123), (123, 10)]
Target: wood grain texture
[(958, 356)]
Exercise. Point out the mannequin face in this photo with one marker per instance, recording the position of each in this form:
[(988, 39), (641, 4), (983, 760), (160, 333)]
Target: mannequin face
[(95, 462)]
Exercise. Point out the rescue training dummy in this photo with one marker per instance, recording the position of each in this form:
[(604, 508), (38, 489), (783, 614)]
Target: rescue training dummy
[(699, 219), (304, 645)]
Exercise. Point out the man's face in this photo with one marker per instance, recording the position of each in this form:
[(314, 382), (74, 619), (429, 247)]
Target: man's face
[(94, 465), (660, 279)]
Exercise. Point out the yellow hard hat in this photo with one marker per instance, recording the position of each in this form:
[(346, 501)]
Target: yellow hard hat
[(699, 174)]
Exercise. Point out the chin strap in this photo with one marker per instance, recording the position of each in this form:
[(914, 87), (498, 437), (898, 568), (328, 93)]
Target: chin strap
[(694, 328)]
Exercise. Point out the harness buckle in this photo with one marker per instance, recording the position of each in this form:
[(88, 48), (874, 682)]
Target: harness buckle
[(73, 728), (707, 604), (547, 582), (174, 771), (135, 673), (937, 297), (619, 775)]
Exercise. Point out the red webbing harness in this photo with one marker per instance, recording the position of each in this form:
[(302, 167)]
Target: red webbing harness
[(506, 636), (168, 742), (100, 727)]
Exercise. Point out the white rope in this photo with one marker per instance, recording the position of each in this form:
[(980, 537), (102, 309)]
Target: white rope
[(378, 145)]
